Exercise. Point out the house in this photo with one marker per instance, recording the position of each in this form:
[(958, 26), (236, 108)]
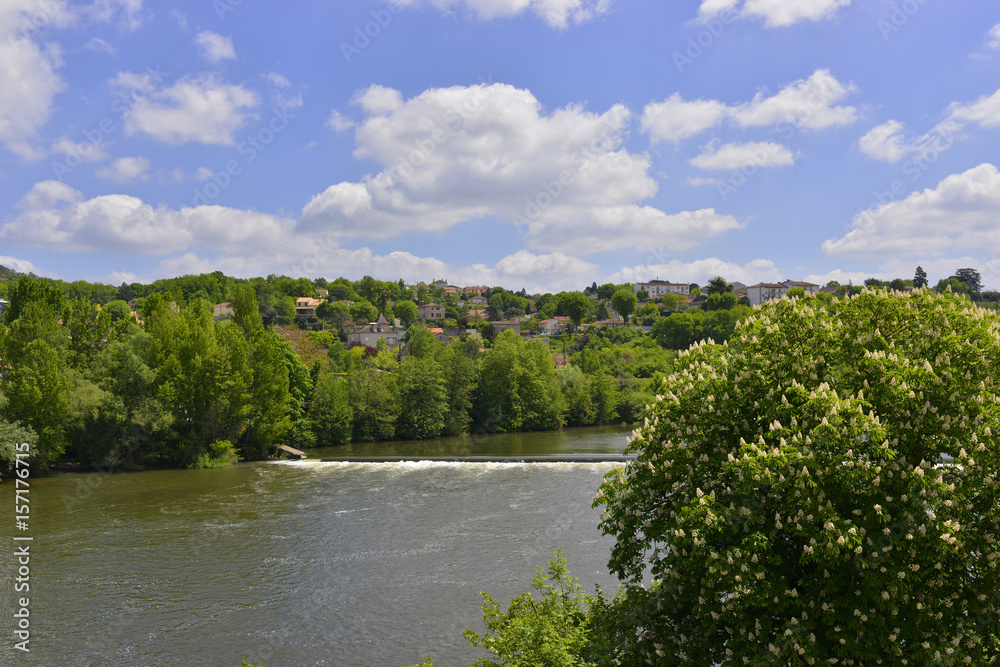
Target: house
[(611, 324), (475, 289), (478, 300), (369, 334), (452, 290), (306, 307), (737, 286), (553, 326), (323, 292), (506, 324), (810, 288), (764, 292), (3, 306), (431, 311), (440, 284), (658, 288), (440, 335), (477, 313), (220, 310)]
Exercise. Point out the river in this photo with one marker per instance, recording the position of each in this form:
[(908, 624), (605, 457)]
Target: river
[(288, 564)]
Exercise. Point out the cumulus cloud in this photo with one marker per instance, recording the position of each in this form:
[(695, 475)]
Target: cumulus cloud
[(20, 265), (456, 154), (125, 169), (555, 13), (889, 141), (28, 76), (993, 37), (699, 271), (776, 13), (215, 48), (738, 155), (960, 214), (83, 151), (811, 103), (338, 122), (55, 216), (199, 109)]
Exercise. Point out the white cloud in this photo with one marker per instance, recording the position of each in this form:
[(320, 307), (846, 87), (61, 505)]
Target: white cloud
[(20, 265), (195, 109), (338, 122), (456, 154), (55, 216), (100, 46), (125, 169), (776, 13), (202, 174), (84, 151), (214, 47), (960, 214), (278, 80), (180, 17), (127, 14), (697, 181), (699, 271), (28, 76), (555, 13), (888, 141), (885, 142), (993, 37), (674, 118), (985, 111), (737, 155), (807, 103)]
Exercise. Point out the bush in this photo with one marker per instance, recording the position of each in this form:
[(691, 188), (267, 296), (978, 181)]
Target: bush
[(220, 454), (821, 490)]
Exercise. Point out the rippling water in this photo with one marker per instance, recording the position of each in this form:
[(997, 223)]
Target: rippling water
[(298, 563)]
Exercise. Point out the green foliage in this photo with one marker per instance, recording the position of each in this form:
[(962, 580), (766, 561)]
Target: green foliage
[(331, 416), (920, 277), (220, 454), (679, 331), (28, 290), (376, 403), (624, 302), (574, 305), (406, 311), (363, 312), (725, 300), (423, 399), (552, 631), (718, 285), (517, 389), (795, 293), (822, 489), (117, 310)]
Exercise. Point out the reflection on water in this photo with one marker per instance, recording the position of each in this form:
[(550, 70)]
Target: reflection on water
[(301, 563)]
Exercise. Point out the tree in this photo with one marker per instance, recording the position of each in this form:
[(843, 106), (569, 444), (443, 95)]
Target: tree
[(33, 290), (376, 403), (423, 401), (117, 310), (606, 291), (873, 282), (795, 293), (723, 300), (679, 331), (363, 312), (574, 305), (957, 286), (642, 295), (624, 301), (330, 413), (822, 489), (971, 278), (718, 285), (671, 301), (406, 311), (920, 277), (337, 312)]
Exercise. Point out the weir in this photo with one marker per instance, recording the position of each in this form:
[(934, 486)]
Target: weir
[(557, 458)]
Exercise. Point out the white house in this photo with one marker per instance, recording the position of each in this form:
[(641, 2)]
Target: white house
[(658, 289), (369, 334)]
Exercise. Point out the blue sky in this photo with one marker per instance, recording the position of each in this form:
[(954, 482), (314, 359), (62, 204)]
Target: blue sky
[(543, 144)]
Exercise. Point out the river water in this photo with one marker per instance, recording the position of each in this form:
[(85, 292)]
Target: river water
[(300, 563)]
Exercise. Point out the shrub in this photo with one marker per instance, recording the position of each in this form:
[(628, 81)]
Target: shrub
[(823, 489)]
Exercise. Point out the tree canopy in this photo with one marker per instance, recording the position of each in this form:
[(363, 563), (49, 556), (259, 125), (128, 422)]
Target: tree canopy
[(824, 488)]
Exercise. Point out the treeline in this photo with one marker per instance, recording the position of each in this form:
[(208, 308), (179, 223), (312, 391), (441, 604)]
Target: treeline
[(90, 385)]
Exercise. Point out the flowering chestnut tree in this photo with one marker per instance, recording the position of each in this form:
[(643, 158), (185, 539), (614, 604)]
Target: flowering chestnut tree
[(821, 490)]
